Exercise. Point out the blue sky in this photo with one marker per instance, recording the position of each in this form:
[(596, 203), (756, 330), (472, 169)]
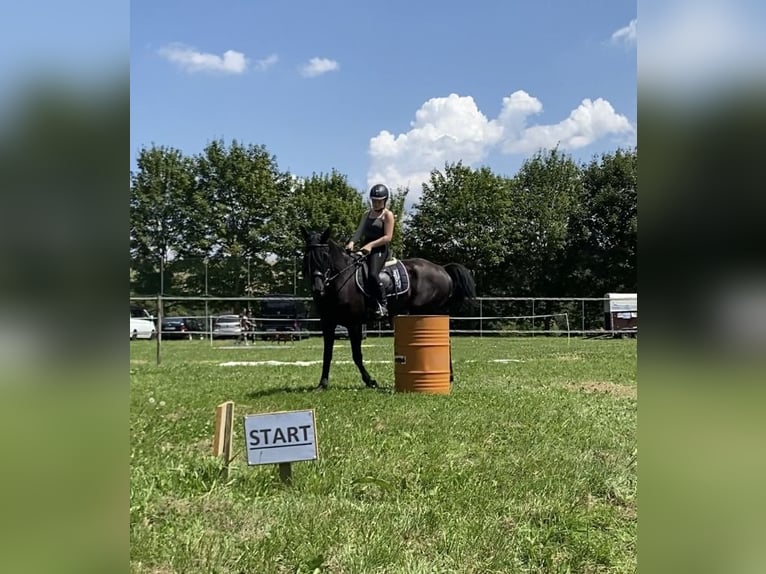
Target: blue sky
[(385, 91)]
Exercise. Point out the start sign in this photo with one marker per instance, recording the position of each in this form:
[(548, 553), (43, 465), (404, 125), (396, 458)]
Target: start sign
[(287, 436)]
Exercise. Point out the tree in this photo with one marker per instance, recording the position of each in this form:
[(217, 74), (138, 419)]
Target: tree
[(326, 200), (396, 205), (162, 208), (317, 202), (604, 232), (547, 188), (554, 229), (248, 200), (463, 216)]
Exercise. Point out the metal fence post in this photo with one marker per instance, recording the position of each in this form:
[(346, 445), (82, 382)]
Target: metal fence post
[(481, 317), (159, 329)]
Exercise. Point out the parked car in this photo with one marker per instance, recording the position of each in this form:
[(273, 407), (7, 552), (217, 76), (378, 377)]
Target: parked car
[(341, 332), (138, 312), (227, 327), (283, 330), (182, 328), (142, 329), (283, 319)]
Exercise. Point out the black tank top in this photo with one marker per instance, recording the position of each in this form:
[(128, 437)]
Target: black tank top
[(374, 229)]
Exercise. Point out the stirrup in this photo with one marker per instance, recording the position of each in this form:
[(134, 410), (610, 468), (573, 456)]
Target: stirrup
[(382, 311)]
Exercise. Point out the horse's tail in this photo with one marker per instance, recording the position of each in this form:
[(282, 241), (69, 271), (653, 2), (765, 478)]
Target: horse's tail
[(463, 285)]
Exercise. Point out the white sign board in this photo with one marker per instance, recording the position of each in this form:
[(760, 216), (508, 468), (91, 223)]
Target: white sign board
[(287, 436)]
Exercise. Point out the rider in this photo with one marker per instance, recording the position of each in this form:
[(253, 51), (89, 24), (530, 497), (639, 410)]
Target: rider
[(376, 230)]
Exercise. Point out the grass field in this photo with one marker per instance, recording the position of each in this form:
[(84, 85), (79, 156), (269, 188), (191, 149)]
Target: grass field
[(529, 465)]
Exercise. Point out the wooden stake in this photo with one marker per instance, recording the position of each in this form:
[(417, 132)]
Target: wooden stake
[(224, 422)]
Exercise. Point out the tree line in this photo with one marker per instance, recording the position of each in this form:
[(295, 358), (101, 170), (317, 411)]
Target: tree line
[(226, 222)]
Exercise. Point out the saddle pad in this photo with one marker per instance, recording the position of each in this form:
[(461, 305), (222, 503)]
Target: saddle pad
[(398, 283)]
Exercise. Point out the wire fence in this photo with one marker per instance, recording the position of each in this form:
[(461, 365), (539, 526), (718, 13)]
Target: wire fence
[(219, 319), (488, 316)]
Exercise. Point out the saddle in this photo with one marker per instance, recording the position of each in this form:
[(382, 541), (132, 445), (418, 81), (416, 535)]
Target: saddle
[(393, 276)]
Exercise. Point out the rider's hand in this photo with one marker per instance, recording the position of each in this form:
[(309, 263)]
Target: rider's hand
[(365, 250), (349, 247)]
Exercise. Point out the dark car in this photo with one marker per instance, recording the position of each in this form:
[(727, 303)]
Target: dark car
[(182, 328), (283, 319), (341, 332)]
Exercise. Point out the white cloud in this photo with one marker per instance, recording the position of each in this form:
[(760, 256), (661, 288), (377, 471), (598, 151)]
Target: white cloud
[(513, 115), (590, 121), (626, 34), (191, 60), (318, 66), (266, 63), (445, 129), (453, 129)]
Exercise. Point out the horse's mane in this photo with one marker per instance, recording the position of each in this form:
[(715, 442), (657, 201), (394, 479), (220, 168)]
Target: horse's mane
[(337, 252), (335, 246), (314, 258)]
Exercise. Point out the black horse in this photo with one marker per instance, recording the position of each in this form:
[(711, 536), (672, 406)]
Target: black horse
[(424, 288)]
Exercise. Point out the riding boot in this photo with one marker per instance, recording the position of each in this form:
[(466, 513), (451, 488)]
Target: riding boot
[(382, 311)]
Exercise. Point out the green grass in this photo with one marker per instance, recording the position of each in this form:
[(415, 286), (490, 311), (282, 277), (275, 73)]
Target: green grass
[(527, 466)]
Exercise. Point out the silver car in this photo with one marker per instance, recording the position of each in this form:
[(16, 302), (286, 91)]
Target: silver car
[(227, 327)]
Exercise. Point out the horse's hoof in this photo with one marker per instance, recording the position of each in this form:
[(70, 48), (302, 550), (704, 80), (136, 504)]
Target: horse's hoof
[(320, 387), (372, 384)]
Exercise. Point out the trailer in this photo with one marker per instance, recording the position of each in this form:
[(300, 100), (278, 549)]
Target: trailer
[(621, 314)]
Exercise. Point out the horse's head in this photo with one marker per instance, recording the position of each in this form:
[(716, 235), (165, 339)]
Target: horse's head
[(316, 260)]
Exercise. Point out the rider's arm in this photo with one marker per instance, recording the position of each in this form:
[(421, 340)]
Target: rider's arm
[(357, 234)]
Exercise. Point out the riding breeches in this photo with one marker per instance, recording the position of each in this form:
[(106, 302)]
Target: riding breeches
[(375, 262)]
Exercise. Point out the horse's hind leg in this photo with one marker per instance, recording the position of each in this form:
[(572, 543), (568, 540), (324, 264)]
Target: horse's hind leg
[(355, 337)]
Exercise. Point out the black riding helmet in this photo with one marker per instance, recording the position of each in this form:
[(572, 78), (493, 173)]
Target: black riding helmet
[(379, 191)]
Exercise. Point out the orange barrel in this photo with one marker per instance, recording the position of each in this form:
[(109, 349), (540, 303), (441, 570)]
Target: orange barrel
[(421, 354)]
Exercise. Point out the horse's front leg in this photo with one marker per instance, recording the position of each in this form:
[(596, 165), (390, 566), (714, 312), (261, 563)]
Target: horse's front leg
[(328, 337), (355, 337)]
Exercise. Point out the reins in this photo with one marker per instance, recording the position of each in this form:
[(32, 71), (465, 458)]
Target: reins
[(355, 263)]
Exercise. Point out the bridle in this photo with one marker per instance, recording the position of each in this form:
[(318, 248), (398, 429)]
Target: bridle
[(325, 276)]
